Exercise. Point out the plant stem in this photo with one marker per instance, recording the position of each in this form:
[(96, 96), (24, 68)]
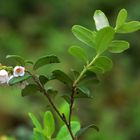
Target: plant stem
[(84, 70), (75, 85), (61, 116), (71, 103)]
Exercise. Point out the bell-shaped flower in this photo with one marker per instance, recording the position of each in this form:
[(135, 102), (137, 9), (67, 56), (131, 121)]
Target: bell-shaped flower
[(4, 78), (19, 71)]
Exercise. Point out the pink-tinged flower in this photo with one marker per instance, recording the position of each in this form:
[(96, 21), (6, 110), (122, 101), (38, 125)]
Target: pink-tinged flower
[(19, 71), (4, 78)]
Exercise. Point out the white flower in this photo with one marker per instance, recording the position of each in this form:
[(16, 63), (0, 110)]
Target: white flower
[(4, 78), (19, 71)]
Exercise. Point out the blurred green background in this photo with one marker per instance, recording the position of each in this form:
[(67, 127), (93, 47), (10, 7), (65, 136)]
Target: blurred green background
[(33, 28)]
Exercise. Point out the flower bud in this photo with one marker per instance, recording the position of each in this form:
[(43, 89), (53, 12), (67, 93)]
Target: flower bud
[(4, 78)]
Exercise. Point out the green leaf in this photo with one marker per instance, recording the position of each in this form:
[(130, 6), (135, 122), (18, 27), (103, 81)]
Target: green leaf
[(67, 98), (30, 89), (16, 80), (49, 124), (102, 64), (103, 39), (79, 53), (118, 46), (84, 35), (35, 122), (100, 19), (29, 62), (63, 133), (96, 69), (45, 60), (82, 92), (38, 136), (43, 79), (61, 76), (129, 27), (52, 92), (90, 76), (121, 18), (84, 129), (18, 59)]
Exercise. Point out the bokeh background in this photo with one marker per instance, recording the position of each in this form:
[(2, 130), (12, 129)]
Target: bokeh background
[(33, 28)]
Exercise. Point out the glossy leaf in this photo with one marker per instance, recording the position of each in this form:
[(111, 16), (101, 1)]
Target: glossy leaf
[(84, 129), (45, 60), (118, 46), (100, 19), (103, 64), (121, 18), (103, 39), (49, 124), (61, 76), (16, 80), (18, 59), (129, 27), (30, 89), (79, 53), (63, 133), (35, 122), (82, 92), (84, 35)]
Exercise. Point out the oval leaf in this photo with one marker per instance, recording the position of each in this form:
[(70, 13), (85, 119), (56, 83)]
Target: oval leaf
[(61, 76), (30, 89), (78, 52), (118, 46), (16, 80), (129, 27), (45, 60), (35, 122), (18, 59), (38, 136), (121, 18), (103, 39), (84, 35), (49, 124), (89, 78), (82, 92), (63, 133), (84, 129), (96, 69), (103, 63), (100, 19)]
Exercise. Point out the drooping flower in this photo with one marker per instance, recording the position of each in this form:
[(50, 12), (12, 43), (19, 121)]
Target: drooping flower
[(19, 71), (4, 78)]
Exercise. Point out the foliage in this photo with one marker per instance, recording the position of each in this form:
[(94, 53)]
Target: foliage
[(100, 41)]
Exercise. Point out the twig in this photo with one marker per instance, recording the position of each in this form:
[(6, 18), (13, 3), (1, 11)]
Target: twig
[(62, 117)]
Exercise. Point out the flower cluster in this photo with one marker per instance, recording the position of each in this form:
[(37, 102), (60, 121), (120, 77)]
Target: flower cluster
[(5, 76)]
